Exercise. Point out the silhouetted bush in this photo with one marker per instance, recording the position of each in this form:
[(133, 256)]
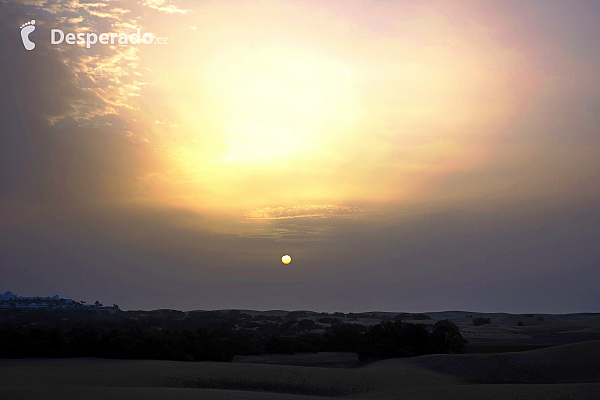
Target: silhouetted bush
[(400, 339), (360, 315), (446, 338), (309, 343), (401, 316), (394, 339), (286, 327), (305, 324), (481, 321), (332, 321), (279, 345), (83, 342), (294, 315), (215, 336), (421, 317), (345, 337), (124, 344)]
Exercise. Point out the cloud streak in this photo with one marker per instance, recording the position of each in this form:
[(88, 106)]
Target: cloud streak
[(310, 211)]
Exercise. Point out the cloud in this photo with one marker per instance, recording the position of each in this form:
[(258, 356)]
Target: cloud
[(310, 211), (38, 3), (64, 137), (293, 233), (136, 138), (102, 82), (168, 8)]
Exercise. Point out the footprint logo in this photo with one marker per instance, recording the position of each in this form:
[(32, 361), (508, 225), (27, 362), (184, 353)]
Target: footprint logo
[(26, 29)]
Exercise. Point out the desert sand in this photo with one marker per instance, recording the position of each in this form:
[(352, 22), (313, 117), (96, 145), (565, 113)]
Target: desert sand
[(562, 372)]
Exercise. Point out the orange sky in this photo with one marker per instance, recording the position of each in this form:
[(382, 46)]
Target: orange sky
[(248, 107)]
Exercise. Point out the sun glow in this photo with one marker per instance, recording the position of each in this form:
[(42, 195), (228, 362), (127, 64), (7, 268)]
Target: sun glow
[(279, 104), (343, 119), (273, 119), (266, 112)]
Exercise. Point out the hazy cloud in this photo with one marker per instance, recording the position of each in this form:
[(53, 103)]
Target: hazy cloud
[(161, 5), (310, 211)]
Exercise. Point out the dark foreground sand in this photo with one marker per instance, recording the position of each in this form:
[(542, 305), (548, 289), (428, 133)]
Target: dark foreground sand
[(562, 372)]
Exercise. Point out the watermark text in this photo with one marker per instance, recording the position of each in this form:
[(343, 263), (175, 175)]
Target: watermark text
[(57, 36)]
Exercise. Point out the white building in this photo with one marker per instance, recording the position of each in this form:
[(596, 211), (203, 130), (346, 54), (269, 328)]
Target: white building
[(7, 296)]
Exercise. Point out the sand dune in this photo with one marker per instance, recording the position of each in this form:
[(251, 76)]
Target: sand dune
[(562, 372), (574, 391), (582, 391), (137, 393), (577, 362), (288, 379)]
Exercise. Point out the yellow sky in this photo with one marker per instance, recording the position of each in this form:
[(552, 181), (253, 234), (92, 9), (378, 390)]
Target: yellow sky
[(256, 111), (362, 106)]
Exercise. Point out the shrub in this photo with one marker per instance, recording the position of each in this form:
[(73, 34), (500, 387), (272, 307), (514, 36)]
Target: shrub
[(395, 339), (344, 337), (402, 316), (481, 321), (332, 321), (305, 324), (421, 317), (279, 345), (400, 339), (446, 338)]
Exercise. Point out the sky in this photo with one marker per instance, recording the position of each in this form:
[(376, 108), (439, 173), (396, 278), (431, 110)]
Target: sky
[(409, 156)]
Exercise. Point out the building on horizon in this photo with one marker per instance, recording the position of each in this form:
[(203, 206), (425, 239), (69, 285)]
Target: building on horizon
[(9, 298)]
